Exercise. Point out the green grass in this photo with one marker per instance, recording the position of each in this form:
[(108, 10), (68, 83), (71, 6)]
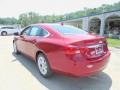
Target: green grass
[(113, 42)]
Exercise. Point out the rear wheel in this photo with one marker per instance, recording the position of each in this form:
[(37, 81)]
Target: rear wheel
[(4, 33), (43, 65), (15, 48)]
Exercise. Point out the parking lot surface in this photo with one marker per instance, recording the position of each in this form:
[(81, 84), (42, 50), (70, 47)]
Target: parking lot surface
[(17, 72)]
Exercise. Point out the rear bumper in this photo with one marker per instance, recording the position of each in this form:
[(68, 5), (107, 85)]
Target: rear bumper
[(87, 68)]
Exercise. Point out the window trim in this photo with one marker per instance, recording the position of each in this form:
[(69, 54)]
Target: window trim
[(25, 30)]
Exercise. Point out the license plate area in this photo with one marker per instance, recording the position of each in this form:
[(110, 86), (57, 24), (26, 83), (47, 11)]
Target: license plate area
[(99, 49), (96, 49)]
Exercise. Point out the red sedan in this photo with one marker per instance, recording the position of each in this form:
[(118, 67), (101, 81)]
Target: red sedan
[(63, 49)]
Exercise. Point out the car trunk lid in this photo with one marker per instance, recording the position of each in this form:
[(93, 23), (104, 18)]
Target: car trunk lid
[(90, 46)]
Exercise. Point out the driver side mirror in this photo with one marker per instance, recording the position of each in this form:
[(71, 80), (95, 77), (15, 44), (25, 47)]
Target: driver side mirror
[(16, 34)]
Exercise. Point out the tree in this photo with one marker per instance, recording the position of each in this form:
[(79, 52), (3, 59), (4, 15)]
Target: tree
[(32, 17), (8, 21), (28, 18)]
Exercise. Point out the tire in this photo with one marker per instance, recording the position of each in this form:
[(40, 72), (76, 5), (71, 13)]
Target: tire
[(4, 33), (15, 48), (43, 66)]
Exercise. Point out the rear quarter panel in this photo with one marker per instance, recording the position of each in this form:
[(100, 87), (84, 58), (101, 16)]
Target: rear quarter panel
[(54, 51)]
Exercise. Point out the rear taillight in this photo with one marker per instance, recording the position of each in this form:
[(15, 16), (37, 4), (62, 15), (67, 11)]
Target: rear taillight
[(105, 46), (83, 50), (71, 50)]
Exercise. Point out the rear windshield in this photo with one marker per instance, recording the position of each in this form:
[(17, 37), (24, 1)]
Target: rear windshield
[(69, 30)]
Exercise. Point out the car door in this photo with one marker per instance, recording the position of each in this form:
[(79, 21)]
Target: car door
[(21, 40), (31, 40), (35, 34)]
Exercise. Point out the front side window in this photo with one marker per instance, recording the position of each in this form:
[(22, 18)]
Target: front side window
[(26, 31), (68, 30)]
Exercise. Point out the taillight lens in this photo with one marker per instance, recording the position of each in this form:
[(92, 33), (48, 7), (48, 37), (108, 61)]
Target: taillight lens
[(71, 50), (83, 50)]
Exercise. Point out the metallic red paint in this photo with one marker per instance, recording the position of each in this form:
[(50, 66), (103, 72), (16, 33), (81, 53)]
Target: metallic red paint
[(61, 57)]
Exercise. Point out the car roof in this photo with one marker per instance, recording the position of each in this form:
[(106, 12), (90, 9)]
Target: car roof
[(46, 24)]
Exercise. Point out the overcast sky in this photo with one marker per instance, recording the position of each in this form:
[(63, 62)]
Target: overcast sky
[(12, 8)]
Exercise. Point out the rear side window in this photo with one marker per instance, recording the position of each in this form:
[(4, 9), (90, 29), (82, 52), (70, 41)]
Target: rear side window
[(69, 30), (44, 32), (26, 31), (37, 31)]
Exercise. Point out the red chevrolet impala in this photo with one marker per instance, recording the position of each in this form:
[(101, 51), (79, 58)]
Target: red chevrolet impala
[(62, 49)]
